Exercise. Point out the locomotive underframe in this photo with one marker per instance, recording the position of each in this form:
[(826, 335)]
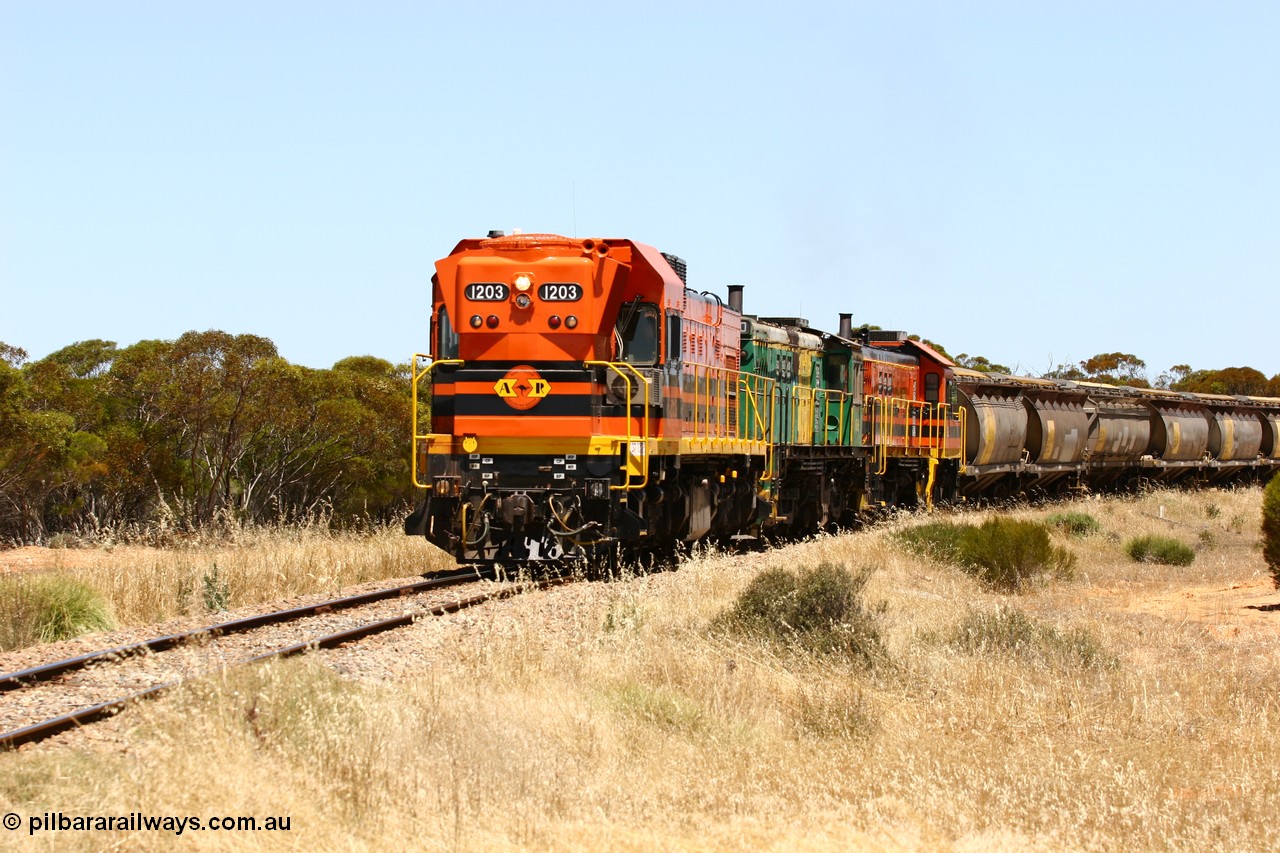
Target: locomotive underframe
[(508, 510), (511, 510)]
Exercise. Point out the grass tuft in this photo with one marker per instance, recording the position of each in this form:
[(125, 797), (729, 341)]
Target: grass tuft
[(833, 710), (818, 610), (1078, 524), (660, 706), (48, 609), (215, 591), (1159, 549), (1009, 630)]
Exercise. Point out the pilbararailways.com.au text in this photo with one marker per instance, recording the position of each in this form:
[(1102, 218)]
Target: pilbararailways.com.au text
[(139, 822)]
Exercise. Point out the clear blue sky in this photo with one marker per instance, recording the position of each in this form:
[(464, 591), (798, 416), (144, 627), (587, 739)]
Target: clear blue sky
[(1032, 182)]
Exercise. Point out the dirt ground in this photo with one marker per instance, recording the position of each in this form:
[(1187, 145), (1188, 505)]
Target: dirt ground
[(35, 559), (1229, 609)]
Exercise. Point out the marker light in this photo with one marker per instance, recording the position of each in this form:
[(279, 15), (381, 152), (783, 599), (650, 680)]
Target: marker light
[(553, 321), (571, 322), (476, 321), (492, 321), (523, 283)]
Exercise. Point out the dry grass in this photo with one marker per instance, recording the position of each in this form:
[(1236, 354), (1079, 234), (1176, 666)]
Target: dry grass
[(145, 585), (608, 716)]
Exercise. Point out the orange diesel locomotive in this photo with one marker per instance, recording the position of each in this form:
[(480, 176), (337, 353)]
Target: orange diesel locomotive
[(583, 401)]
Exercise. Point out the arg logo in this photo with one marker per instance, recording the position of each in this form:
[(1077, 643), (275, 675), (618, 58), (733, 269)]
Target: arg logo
[(522, 388)]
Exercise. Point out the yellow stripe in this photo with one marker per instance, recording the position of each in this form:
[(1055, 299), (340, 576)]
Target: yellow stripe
[(988, 437), (600, 445)]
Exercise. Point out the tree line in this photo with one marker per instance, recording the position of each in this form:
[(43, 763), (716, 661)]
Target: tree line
[(202, 430), (213, 428), (1122, 368)]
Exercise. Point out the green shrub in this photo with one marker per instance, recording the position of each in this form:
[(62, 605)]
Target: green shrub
[(1009, 630), (661, 706), (1160, 549), (1004, 552), (817, 610), (941, 540), (1271, 527), (1079, 524), (215, 591), (1007, 553), (48, 609), (62, 540)]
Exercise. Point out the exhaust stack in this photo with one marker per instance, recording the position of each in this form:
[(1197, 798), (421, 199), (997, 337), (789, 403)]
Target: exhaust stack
[(846, 326), (735, 298)]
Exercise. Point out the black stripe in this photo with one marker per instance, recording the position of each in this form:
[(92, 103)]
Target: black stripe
[(504, 366), (552, 376), (491, 374), (557, 405)]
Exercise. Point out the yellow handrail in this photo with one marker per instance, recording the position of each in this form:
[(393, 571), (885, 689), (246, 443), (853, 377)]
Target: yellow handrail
[(886, 434), (932, 423), (944, 418), (832, 396), (428, 437), (881, 431), (758, 421), (620, 368)]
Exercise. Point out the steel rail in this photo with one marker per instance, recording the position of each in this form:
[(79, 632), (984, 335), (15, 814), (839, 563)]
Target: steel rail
[(48, 728), (48, 671)]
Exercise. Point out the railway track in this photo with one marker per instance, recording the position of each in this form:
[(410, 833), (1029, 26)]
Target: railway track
[(88, 687)]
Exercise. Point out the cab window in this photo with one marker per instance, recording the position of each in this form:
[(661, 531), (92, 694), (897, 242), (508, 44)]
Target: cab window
[(446, 337), (836, 372), (931, 387), (637, 334), (674, 340)]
